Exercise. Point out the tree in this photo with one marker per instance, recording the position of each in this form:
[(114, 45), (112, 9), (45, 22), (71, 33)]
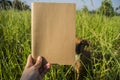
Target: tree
[(106, 8), (17, 4), (5, 4), (85, 9), (118, 8)]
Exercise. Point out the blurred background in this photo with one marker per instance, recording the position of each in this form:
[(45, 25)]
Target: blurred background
[(97, 21)]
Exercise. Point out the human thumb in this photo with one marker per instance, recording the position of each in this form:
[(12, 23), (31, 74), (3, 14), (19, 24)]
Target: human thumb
[(38, 62), (29, 61)]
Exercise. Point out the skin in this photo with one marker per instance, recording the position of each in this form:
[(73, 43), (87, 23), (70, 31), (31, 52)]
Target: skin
[(35, 71)]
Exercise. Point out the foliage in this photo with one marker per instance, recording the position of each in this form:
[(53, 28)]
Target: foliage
[(16, 4), (85, 9), (118, 8), (107, 8), (102, 32), (14, 43), (4, 4)]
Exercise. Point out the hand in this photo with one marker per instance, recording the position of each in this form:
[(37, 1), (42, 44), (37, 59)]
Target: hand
[(34, 71)]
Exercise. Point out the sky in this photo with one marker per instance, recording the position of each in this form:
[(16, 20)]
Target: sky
[(79, 3)]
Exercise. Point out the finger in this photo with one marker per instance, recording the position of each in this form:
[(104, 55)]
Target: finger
[(38, 62), (46, 69), (47, 66), (29, 61)]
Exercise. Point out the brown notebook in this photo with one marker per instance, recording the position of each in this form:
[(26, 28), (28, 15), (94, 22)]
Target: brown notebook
[(53, 32)]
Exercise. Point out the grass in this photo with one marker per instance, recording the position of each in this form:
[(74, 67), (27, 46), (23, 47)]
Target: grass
[(102, 32)]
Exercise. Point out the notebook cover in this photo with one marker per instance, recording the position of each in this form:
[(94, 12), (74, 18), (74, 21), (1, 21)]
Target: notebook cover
[(53, 32)]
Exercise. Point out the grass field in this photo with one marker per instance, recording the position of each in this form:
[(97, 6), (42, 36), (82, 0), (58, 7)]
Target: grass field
[(102, 32)]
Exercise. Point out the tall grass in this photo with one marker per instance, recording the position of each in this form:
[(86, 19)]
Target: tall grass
[(102, 32), (14, 43), (104, 36)]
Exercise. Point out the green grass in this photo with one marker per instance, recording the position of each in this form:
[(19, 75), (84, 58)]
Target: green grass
[(102, 32)]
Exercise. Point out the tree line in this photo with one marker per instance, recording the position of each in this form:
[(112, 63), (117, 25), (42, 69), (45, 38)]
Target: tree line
[(15, 4), (106, 9)]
